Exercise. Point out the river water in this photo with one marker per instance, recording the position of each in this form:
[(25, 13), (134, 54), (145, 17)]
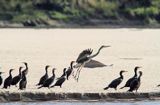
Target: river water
[(85, 103)]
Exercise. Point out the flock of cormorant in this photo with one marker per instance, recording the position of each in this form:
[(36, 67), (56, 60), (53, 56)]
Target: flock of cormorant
[(83, 58)]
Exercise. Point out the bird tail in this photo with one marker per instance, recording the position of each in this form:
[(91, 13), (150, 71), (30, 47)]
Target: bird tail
[(129, 90), (106, 88), (158, 85), (40, 87), (122, 87), (52, 86)]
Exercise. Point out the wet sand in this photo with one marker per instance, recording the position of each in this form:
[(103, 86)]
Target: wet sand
[(56, 47)]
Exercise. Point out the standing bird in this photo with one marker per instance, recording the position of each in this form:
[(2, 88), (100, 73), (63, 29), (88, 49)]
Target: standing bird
[(44, 77), (116, 82), (70, 70), (85, 57), (23, 81), (60, 80), (26, 69), (8, 80), (135, 84), (131, 79), (17, 78), (1, 79), (49, 81)]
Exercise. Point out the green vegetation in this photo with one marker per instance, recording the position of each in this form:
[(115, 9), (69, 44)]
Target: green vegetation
[(46, 12)]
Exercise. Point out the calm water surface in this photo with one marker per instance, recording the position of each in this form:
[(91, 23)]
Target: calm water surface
[(84, 103)]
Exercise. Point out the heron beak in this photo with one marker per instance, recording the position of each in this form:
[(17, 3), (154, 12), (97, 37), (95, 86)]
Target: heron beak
[(107, 46)]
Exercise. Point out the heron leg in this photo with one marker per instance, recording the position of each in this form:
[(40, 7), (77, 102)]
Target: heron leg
[(79, 72)]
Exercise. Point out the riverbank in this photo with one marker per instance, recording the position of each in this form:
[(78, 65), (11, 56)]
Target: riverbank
[(51, 96), (92, 23), (84, 13)]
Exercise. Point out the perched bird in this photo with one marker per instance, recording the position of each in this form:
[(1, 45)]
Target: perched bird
[(23, 81), (17, 78), (8, 80), (135, 84), (70, 70), (44, 77), (49, 81), (131, 79), (60, 80), (26, 69), (116, 82), (85, 57), (1, 79)]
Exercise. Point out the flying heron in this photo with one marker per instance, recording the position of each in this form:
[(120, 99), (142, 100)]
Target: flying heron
[(85, 57)]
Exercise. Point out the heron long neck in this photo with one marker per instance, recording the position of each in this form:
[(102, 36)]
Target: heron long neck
[(96, 53)]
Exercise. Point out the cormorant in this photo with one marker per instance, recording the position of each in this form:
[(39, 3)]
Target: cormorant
[(69, 70), (17, 78), (1, 79), (26, 69), (84, 57), (60, 80), (116, 82), (131, 79), (135, 84), (8, 80), (23, 81), (44, 77), (49, 81)]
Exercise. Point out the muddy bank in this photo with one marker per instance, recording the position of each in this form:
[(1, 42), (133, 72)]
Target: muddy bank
[(42, 96)]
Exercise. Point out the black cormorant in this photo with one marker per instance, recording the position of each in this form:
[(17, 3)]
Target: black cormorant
[(17, 78), (44, 77), (23, 81), (69, 70), (1, 79), (8, 80), (60, 80), (116, 82), (131, 79), (135, 84), (49, 81), (84, 57)]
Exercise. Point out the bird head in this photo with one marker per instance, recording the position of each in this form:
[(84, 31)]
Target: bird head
[(104, 46), (11, 70), (137, 67), (47, 66), (53, 70), (25, 63), (64, 70), (122, 71)]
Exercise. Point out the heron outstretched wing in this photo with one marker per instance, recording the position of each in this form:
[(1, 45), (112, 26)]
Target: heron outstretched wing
[(84, 54), (94, 64)]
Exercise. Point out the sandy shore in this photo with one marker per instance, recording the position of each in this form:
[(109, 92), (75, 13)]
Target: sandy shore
[(56, 47)]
